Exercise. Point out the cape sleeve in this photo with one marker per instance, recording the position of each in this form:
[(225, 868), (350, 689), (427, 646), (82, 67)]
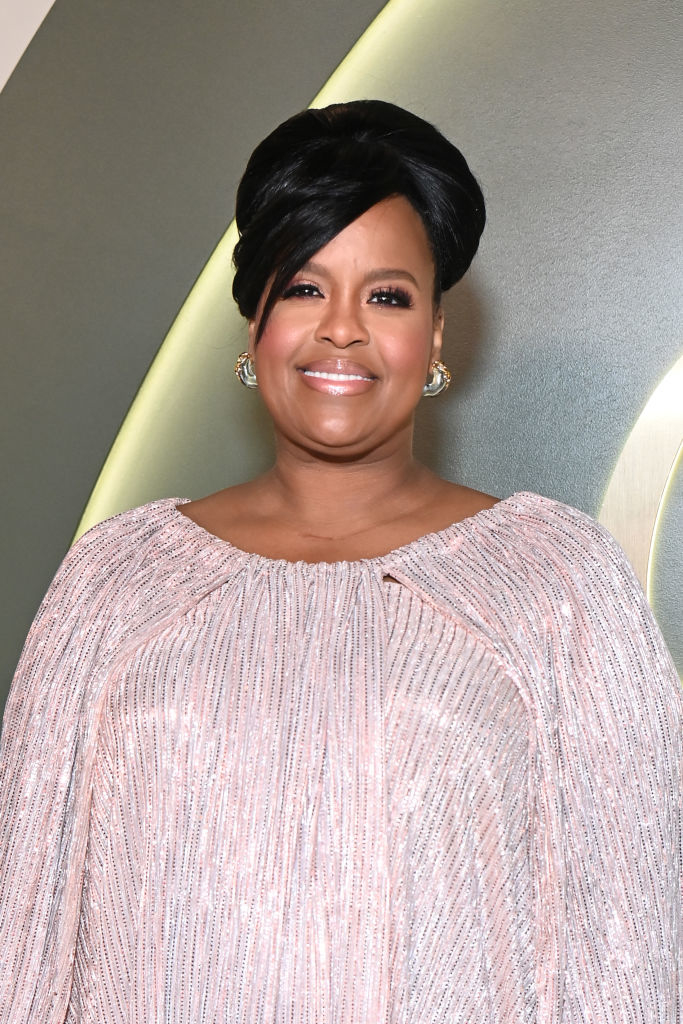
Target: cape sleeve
[(49, 726), (614, 719)]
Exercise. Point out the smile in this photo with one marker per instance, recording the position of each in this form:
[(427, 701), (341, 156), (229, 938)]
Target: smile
[(342, 379), (334, 376)]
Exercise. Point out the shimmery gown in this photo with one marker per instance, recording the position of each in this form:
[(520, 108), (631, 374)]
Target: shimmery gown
[(442, 786)]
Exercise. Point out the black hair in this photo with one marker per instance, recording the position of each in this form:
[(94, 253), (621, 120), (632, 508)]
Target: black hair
[(321, 169)]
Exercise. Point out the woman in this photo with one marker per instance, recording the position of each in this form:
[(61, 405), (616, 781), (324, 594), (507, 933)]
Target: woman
[(347, 742)]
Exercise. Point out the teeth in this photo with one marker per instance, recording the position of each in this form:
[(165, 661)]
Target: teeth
[(335, 376)]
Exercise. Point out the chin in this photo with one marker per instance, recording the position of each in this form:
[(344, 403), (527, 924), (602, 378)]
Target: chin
[(337, 448), (335, 436)]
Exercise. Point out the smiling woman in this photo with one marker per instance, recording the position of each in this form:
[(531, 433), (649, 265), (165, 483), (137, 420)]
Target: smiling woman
[(348, 741), (352, 221), (346, 327), (348, 236)]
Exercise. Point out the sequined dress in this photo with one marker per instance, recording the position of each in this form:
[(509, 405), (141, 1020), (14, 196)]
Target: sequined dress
[(441, 786)]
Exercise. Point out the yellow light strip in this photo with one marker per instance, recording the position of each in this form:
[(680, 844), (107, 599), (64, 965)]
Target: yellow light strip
[(368, 68), (676, 465), (642, 477), (166, 373)]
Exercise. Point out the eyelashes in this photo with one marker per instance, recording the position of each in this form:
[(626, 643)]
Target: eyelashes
[(301, 290), (388, 295), (392, 296)]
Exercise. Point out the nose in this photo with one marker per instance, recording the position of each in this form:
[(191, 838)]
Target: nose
[(342, 323)]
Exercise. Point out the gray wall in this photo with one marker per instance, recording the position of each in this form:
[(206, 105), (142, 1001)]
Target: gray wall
[(125, 128)]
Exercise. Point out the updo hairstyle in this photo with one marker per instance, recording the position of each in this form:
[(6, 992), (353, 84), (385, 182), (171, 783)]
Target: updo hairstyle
[(321, 169)]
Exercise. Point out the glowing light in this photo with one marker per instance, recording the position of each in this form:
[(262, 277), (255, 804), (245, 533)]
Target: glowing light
[(637, 490), (179, 363)]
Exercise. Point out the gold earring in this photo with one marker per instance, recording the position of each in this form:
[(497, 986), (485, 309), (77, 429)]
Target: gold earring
[(438, 380), (244, 369)]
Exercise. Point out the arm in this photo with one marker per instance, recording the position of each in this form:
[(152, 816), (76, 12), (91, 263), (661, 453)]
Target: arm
[(118, 585), (554, 595), (619, 733), (47, 749), (41, 841)]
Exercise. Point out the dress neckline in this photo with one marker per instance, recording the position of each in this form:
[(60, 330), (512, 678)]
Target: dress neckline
[(485, 517)]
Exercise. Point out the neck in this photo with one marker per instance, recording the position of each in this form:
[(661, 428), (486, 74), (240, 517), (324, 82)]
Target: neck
[(335, 499)]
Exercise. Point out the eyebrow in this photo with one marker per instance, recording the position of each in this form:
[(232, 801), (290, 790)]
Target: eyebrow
[(372, 275)]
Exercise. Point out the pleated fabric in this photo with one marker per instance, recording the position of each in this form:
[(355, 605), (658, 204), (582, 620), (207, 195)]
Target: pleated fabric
[(440, 786)]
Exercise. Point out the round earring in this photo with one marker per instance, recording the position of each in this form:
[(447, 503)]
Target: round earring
[(438, 380), (244, 369)]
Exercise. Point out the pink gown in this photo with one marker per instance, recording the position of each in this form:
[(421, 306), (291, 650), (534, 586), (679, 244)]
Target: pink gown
[(441, 786)]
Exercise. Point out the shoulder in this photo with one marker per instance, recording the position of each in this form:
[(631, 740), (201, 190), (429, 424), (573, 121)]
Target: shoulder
[(112, 564), (541, 575), (459, 501), (122, 577), (584, 598), (525, 544), (138, 523), (140, 568), (564, 562), (88, 603), (550, 538), (111, 547)]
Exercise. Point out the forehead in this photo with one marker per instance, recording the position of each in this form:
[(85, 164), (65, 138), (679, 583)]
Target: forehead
[(391, 231)]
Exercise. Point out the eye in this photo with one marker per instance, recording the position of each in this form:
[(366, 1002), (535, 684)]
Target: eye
[(391, 296), (301, 290)]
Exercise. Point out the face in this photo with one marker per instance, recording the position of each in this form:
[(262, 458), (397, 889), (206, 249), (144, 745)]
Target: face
[(347, 347)]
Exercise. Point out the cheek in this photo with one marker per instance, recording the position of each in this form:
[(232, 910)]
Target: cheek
[(275, 358), (409, 352), (277, 342)]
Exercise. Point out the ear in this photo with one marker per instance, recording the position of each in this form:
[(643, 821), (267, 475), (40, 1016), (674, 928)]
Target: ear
[(437, 334)]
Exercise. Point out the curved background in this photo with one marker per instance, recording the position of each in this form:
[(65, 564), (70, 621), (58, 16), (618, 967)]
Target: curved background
[(127, 129)]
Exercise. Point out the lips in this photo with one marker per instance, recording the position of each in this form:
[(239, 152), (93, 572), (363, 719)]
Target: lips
[(337, 378), (336, 370)]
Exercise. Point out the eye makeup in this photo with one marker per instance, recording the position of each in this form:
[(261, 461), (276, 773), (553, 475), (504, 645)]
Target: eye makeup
[(391, 295)]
